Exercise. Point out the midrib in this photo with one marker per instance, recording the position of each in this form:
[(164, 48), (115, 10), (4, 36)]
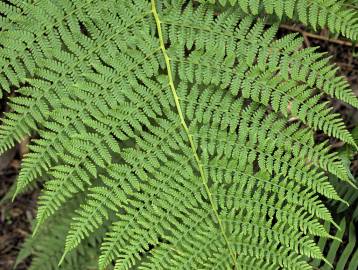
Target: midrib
[(187, 131)]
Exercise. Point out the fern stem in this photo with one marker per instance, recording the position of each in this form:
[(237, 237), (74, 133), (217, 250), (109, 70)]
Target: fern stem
[(187, 131)]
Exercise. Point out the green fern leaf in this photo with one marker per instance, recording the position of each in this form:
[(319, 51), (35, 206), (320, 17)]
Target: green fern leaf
[(334, 14), (189, 130)]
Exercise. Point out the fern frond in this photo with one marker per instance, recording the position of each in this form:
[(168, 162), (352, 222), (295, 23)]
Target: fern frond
[(318, 14), (67, 68), (47, 246), (348, 258), (70, 120), (30, 32), (69, 179), (174, 124), (344, 190), (263, 81)]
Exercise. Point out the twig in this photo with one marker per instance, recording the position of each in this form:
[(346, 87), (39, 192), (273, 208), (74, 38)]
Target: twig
[(307, 41), (311, 35), (24, 146)]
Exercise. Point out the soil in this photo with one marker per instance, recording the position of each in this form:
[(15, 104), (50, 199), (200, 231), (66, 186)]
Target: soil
[(16, 217)]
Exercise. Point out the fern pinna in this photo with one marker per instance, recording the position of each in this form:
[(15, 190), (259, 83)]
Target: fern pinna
[(339, 16), (185, 134)]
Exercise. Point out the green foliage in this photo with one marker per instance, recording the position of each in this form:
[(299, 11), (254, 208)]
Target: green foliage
[(342, 256), (342, 251), (191, 132), (338, 16), (350, 196), (47, 246)]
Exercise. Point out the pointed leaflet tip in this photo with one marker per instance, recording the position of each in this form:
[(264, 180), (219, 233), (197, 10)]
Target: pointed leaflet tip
[(335, 225), (343, 201), (335, 238), (62, 258), (355, 145), (327, 262), (353, 185), (36, 229), (15, 194)]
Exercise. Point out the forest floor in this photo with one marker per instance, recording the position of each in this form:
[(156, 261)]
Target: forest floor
[(16, 217)]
